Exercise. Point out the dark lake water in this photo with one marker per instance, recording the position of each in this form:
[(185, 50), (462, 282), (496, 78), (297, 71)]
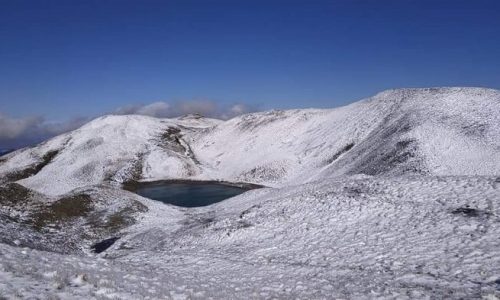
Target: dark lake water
[(187, 194)]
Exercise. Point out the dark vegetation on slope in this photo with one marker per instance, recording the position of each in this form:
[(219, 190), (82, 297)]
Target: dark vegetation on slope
[(83, 209), (135, 172), (32, 220), (385, 153), (63, 210), (171, 140), (14, 194), (137, 167), (339, 153), (33, 169)]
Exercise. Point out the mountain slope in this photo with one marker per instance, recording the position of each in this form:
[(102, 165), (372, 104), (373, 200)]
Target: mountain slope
[(441, 131), (108, 149)]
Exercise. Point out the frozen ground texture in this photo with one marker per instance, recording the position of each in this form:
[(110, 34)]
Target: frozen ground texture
[(395, 196)]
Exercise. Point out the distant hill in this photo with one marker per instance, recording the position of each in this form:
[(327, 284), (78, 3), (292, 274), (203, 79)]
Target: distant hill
[(431, 131), (6, 151)]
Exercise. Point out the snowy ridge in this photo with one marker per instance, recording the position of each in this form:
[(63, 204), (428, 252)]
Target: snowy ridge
[(393, 197), (441, 131)]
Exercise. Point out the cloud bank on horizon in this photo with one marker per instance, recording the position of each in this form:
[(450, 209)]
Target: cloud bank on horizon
[(207, 108), (25, 131)]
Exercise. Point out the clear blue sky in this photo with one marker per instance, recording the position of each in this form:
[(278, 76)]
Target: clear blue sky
[(62, 59)]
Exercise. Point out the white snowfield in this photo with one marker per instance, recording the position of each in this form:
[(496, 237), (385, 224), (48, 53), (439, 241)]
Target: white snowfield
[(394, 197)]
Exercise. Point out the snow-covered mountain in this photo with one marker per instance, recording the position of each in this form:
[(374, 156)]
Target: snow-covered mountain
[(394, 196), (439, 131)]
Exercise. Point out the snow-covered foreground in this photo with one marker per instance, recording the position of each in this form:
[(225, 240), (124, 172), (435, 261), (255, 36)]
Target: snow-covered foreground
[(395, 196), (351, 238)]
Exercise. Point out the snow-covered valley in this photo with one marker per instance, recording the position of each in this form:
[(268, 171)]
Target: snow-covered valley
[(394, 196)]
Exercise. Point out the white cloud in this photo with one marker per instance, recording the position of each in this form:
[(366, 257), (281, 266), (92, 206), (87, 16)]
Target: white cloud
[(12, 127), (19, 132), (202, 107), (205, 108), (157, 109), (238, 109)]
